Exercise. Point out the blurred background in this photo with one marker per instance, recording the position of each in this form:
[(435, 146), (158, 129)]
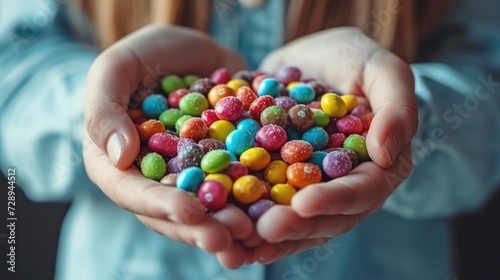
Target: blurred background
[(476, 240)]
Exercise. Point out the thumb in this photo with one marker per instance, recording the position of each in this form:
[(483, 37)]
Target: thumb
[(106, 118), (273, 61)]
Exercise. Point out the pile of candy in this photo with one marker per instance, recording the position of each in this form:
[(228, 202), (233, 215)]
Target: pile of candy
[(252, 139)]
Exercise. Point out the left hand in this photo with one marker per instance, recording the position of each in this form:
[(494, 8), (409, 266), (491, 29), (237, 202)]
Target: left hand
[(350, 61)]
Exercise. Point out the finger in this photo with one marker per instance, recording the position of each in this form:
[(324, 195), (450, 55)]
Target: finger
[(253, 240), (208, 235), (282, 223), (270, 252), (273, 61), (237, 222), (364, 189), (135, 193), (137, 59), (234, 257), (389, 86)]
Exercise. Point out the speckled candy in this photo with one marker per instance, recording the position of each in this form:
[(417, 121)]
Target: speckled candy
[(285, 102), (274, 115), (350, 125), (217, 93), (193, 104), (153, 166), (163, 143), (259, 105), (296, 151), (190, 155), (229, 108), (154, 105), (209, 116), (337, 164), (209, 144), (176, 96), (336, 140), (303, 174), (194, 128), (246, 95), (271, 137)]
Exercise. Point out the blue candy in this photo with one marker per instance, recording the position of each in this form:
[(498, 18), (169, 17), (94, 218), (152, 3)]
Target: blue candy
[(317, 137), (302, 93), (239, 141), (190, 179), (154, 105), (317, 158), (249, 125), (269, 86)]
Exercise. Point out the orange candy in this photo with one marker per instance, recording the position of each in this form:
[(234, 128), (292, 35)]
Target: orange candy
[(296, 151), (218, 92), (303, 174), (148, 128), (194, 128), (246, 95)]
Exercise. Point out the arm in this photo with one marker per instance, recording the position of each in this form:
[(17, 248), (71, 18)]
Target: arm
[(41, 114)]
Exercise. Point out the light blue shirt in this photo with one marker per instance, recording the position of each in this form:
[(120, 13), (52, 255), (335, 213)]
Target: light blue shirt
[(42, 83)]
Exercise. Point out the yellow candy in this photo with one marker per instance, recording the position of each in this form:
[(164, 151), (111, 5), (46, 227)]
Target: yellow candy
[(235, 84), (282, 193), (350, 101), (292, 84), (247, 189), (333, 105), (255, 158), (220, 130), (223, 179), (275, 172)]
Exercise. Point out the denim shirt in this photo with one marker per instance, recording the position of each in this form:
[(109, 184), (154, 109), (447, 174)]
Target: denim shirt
[(455, 150)]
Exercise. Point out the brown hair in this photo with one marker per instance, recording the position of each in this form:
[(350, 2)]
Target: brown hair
[(398, 25)]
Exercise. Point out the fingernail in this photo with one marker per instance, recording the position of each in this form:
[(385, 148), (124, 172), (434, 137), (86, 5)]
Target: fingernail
[(115, 147), (392, 147)]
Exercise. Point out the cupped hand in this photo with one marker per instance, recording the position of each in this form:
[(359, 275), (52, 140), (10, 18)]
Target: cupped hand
[(352, 63), (111, 142)]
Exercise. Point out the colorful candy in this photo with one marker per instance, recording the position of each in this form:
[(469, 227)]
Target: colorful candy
[(231, 144)]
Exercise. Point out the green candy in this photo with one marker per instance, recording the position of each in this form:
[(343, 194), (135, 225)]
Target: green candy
[(180, 121), (153, 166), (357, 143), (193, 104), (321, 119), (172, 83), (190, 79), (215, 161), (169, 117)]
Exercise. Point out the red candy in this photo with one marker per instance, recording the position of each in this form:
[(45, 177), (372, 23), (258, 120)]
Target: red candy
[(212, 195), (175, 96), (350, 125), (236, 170), (336, 140), (229, 108), (220, 76), (259, 105), (271, 137), (163, 143), (209, 116)]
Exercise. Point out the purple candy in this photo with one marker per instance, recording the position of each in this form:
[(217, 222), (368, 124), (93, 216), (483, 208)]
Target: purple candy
[(184, 141), (285, 102), (173, 166), (260, 207), (288, 74), (337, 164)]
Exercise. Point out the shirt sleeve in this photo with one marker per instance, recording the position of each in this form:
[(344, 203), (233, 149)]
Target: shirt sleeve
[(455, 150), (42, 80)]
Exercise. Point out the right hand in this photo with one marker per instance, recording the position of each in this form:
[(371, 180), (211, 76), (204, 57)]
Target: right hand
[(111, 142)]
